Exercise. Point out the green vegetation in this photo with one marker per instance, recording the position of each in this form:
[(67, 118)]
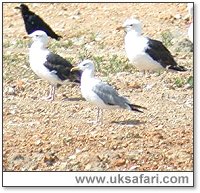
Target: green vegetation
[(84, 53), (113, 64), (15, 65), (93, 37), (54, 45), (190, 81), (98, 60), (181, 81), (167, 38)]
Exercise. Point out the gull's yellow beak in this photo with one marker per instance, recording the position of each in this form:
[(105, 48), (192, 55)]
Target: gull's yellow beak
[(75, 68), (119, 28), (28, 36)]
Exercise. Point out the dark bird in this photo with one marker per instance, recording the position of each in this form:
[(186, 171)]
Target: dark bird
[(49, 66), (34, 22)]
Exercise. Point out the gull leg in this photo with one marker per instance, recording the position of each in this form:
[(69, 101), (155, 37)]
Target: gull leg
[(98, 111), (53, 88), (51, 95), (99, 115), (142, 73), (147, 74), (98, 118)]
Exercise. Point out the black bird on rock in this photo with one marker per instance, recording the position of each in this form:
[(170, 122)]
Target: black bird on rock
[(34, 22)]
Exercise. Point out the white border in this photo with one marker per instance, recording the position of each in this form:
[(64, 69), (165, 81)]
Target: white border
[(126, 179), (197, 102)]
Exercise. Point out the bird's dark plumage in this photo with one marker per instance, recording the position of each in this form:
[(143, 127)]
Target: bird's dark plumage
[(162, 55), (34, 22), (62, 68), (136, 108)]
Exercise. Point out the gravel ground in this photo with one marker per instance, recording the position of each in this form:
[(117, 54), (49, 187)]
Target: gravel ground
[(61, 135)]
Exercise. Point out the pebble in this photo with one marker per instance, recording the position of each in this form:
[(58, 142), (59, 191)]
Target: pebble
[(88, 167), (11, 91), (120, 162), (38, 142), (72, 157)]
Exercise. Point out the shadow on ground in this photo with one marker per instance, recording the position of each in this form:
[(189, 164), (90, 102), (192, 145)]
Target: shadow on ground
[(130, 122)]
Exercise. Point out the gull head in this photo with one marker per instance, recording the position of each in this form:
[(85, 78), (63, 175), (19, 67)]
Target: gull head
[(39, 37), (131, 24), (84, 65)]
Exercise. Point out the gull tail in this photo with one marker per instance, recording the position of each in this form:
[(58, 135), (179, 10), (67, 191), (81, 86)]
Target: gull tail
[(136, 108), (178, 68)]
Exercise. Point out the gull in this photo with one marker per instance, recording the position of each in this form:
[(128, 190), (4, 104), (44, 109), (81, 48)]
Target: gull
[(190, 29), (34, 22), (50, 66), (100, 93), (144, 53)]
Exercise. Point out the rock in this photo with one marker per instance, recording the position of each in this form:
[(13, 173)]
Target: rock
[(88, 167), (120, 162), (38, 142), (78, 150), (13, 111), (18, 157), (133, 168), (177, 16), (184, 46), (11, 91), (50, 160), (72, 157), (134, 85), (149, 87), (67, 140)]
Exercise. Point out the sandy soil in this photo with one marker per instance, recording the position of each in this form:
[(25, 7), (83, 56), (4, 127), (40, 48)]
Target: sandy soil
[(60, 135)]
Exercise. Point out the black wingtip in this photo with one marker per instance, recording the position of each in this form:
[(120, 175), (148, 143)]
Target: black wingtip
[(178, 68), (137, 108), (58, 38)]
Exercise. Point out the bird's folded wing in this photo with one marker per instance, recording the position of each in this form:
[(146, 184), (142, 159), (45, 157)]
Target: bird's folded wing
[(109, 95), (160, 53), (61, 67)]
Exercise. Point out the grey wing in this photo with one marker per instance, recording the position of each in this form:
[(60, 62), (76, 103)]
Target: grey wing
[(109, 95)]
